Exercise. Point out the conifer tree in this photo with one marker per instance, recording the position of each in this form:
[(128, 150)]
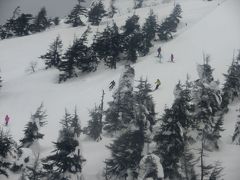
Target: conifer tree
[(144, 99), (170, 144), (94, 128), (18, 25), (182, 107), (31, 132), (236, 134), (216, 173), (207, 98), (188, 161), (125, 155), (66, 160), (148, 31), (6, 145), (96, 13), (231, 88), (169, 25), (121, 110), (75, 124), (68, 63), (22, 26), (132, 38), (41, 21), (205, 170), (74, 18), (34, 171), (95, 125), (150, 167), (108, 45), (78, 58), (7, 29), (53, 56)]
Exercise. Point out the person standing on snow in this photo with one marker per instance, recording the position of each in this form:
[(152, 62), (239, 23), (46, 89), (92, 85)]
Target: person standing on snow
[(6, 120), (159, 52), (158, 83), (172, 58)]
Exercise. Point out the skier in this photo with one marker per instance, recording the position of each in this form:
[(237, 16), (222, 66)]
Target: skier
[(159, 52), (6, 120), (112, 84), (172, 57), (158, 83)]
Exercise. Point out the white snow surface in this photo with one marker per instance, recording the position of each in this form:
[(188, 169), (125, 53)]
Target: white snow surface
[(212, 27)]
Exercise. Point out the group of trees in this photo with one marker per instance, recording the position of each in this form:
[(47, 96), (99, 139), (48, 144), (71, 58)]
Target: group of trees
[(95, 14), (144, 147), (109, 46), (21, 24), (65, 161), (195, 116)]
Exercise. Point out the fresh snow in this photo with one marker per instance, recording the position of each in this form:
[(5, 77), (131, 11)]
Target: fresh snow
[(212, 27)]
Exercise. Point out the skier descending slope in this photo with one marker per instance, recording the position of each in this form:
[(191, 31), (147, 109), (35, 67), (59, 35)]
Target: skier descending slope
[(112, 84), (158, 83)]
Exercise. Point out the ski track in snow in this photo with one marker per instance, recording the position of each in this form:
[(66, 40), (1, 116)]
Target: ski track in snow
[(211, 28)]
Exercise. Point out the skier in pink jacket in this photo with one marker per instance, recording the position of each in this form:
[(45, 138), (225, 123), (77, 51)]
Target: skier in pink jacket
[(6, 120)]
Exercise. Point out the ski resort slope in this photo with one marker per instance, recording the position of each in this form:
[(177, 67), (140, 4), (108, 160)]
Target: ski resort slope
[(212, 28)]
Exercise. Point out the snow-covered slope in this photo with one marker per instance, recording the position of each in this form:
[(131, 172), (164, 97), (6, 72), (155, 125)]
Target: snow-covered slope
[(212, 27)]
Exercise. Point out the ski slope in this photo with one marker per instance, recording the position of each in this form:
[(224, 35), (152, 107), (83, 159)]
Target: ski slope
[(212, 27)]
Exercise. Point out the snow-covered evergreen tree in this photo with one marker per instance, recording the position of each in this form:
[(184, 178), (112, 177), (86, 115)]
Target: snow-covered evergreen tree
[(126, 154), (94, 128), (148, 30), (207, 100), (22, 25), (31, 131), (170, 144), (169, 25), (6, 145), (74, 18), (236, 134), (75, 124), (121, 110), (231, 89), (66, 159), (150, 167), (132, 38), (216, 173), (205, 169), (41, 21), (18, 25), (34, 171), (53, 56), (144, 101), (78, 58), (108, 45), (182, 106), (188, 161), (96, 13)]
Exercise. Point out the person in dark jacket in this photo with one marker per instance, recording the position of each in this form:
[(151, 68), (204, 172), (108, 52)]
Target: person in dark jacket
[(112, 84), (159, 51)]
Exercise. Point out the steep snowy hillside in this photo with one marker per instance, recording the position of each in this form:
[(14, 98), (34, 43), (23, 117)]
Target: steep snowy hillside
[(207, 26)]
